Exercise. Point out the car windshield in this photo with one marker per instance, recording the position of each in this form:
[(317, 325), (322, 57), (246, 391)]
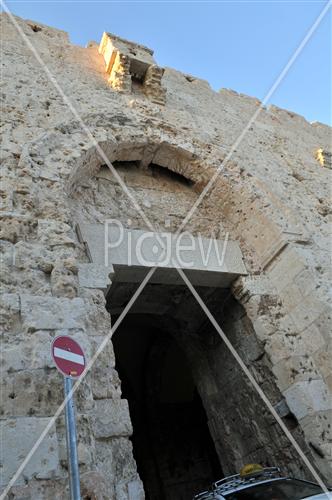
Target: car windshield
[(283, 489)]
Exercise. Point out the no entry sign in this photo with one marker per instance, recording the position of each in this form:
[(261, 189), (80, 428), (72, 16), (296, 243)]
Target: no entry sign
[(68, 356)]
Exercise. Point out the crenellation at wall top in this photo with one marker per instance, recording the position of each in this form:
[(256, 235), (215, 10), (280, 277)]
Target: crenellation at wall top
[(186, 85)]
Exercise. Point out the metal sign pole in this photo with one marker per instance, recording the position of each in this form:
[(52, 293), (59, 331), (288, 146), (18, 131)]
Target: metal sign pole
[(74, 477)]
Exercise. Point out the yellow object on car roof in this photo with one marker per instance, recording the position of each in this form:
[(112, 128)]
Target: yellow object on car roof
[(250, 469)]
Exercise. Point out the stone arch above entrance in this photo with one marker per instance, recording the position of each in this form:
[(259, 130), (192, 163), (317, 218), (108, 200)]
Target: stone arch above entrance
[(280, 257)]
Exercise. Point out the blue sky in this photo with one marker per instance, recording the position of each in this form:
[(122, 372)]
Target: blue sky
[(242, 45)]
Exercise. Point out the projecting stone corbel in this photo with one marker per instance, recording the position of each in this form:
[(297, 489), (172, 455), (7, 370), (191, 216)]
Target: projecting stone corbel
[(131, 67)]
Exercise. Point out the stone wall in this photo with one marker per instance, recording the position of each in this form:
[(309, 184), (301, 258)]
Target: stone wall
[(272, 197)]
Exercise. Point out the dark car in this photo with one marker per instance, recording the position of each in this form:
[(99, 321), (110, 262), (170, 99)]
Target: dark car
[(263, 484)]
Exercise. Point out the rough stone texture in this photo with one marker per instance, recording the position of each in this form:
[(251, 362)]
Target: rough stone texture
[(272, 197), (43, 465), (112, 419)]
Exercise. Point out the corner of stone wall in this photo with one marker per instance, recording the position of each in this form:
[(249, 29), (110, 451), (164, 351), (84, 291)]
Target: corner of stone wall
[(290, 316)]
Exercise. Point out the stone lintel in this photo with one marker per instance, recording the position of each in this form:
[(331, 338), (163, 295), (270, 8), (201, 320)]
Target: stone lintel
[(207, 262)]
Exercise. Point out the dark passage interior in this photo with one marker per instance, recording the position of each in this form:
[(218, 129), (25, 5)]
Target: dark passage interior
[(174, 452), (177, 375)]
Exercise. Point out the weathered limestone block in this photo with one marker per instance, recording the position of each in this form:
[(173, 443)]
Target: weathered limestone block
[(6, 253), (247, 286), (48, 313), (42, 465), (116, 454), (98, 321), (323, 323), (264, 326), (53, 233), (24, 199), (16, 226), (285, 268), (152, 85), (28, 277), (294, 369), (31, 392), (63, 278), (112, 418), (133, 490), (279, 347), (94, 486), (317, 428), (85, 439), (120, 77), (38, 489), (307, 397), (33, 255), (6, 196), (111, 386), (10, 308), (319, 424), (262, 304), (32, 351), (307, 311), (322, 359), (26, 352), (95, 276), (288, 342), (38, 392)]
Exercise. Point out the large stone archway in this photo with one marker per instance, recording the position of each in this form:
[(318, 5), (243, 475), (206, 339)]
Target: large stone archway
[(279, 262)]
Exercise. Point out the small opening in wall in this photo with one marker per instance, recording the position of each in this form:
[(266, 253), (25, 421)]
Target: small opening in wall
[(291, 421), (137, 84), (125, 164), (190, 78), (35, 28), (137, 72), (158, 171)]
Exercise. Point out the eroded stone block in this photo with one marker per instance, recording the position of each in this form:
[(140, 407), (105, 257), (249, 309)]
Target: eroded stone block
[(112, 418), (95, 276), (43, 464), (304, 398), (47, 313), (9, 310), (53, 232), (32, 351)]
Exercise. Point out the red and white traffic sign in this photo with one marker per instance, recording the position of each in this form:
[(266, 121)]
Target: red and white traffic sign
[(68, 356)]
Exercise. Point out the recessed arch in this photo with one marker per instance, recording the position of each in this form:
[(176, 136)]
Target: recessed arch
[(270, 235)]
